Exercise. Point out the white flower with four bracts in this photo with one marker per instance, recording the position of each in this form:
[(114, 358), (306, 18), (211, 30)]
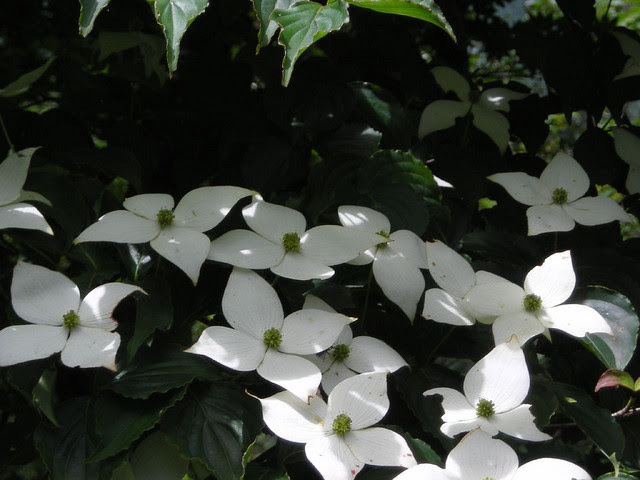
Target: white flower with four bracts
[(81, 329), (262, 339), (494, 389), (396, 261), (483, 106), (14, 213), (338, 440), (627, 147), (480, 457), (349, 356), (281, 242), (529, 311), (176, 234), (557, 200), (455, 277)]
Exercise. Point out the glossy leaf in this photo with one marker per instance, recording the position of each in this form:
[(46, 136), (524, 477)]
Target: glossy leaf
[(89, 10), (263, 10), (43, 394), (616, 378)]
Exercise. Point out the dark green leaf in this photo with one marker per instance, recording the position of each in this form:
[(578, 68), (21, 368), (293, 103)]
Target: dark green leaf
[(155, 458), (89, 10), (23, 83), (263, 10), (43, 393)]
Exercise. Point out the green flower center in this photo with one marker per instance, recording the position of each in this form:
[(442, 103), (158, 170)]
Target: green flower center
[(485, 408), (340, 352), (272, 338), (70, 320), (559, 196), (165, 217), (291, 242), (341, 424), (532, 302), (385, 235)]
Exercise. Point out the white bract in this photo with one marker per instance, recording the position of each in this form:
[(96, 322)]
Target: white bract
[(483, 106), (281, 242), (480, 457), (176, 234), (455, 277), (628, 149), (557, 197), (396, 261), (494, 389), (338, 442), (349, 356), (529, 311), (629, 47), (262, 339), (13, 212), (81, 330)]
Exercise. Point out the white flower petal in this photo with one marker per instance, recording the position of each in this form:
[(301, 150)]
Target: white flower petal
[(410, 246), (548, 218), (362, 397), (27, 196), (400, 280), (120, 226), (449, 269), (292, 419), (299, 267), (333, 458), (522, 324), (519, 423), (334, 244), (232, 348), (480, 456), (148, 205), (595, 211), (627, 146), (368, 354), (22, 343), (494, 124), (97, 307), (499, 98), (13, 173), (23, 215), (365, 258), (523, 188), (422, 472), (187, 249), (293, 373), (205, 207), (496, 298), (501, 376), (250, 304), (565, 172), (483, 276), (452, 81), (550, 469), (40, 295), (316, 303), (345, 337), (363, 218), (576, 320), (91, 347), (334, 375), (311, 331), (440, 115), (380, 446), (441, 307), (553, 281), (455, 405), (246, 249), (451, 429), (633, 180), (273, 221)]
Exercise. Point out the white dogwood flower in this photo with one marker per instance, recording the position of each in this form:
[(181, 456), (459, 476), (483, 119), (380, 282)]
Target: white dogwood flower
[(627, 147), (480, 457), (494, 389), (176, 234), (281, 242), (483, 106), (338, 442), (349, 356), (14, 213), (396, 262), (557, 197), (262, 339), (81, 330), (529, 311)]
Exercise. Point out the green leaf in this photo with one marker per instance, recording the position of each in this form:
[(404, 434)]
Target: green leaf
[(263, 10), (175, 16), (23, 83), (160, 372), (215, 423), (151, 47), (89, 10), (616, 309), (615, 378), (305, 23), (158, 459), (43, 393), (594, 421), (425, 10)]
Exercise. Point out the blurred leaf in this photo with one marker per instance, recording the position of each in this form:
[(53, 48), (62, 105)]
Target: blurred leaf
[(582, 11), (486, 203), (151, 46), (542, 399), (263, 10), (89, 10), (23, 83), (43, 393), (353, 139), (615, 378), (155, 458)]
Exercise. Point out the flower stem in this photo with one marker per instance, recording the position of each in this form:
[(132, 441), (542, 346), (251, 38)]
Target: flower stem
[(6, 136), (439, 344)]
